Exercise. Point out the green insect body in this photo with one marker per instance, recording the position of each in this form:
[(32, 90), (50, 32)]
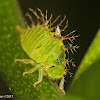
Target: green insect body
[(45, 48)]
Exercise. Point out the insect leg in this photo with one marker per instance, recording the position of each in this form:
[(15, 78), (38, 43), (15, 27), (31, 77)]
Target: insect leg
[(40, 77), (32, 70), (26, 61), (61, 85)]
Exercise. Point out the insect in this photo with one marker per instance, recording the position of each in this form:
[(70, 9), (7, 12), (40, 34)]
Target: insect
[(45, 48)]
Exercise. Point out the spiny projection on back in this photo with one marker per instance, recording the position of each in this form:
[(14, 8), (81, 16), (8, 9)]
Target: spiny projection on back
[(45, 47)]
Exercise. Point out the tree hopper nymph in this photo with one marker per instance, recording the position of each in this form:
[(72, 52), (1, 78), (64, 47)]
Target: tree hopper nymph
[(45, 47)]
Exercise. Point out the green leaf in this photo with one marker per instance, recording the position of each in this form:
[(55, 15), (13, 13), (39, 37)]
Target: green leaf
[(92, 55), (86, 83)]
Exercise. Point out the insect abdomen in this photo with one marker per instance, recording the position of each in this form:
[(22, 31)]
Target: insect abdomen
[(40, 45), (32, 38)]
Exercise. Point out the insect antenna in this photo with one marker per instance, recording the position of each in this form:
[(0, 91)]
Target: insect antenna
[(30, 17)]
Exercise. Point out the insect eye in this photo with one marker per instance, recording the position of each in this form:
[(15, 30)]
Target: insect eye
[(52, 66)]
